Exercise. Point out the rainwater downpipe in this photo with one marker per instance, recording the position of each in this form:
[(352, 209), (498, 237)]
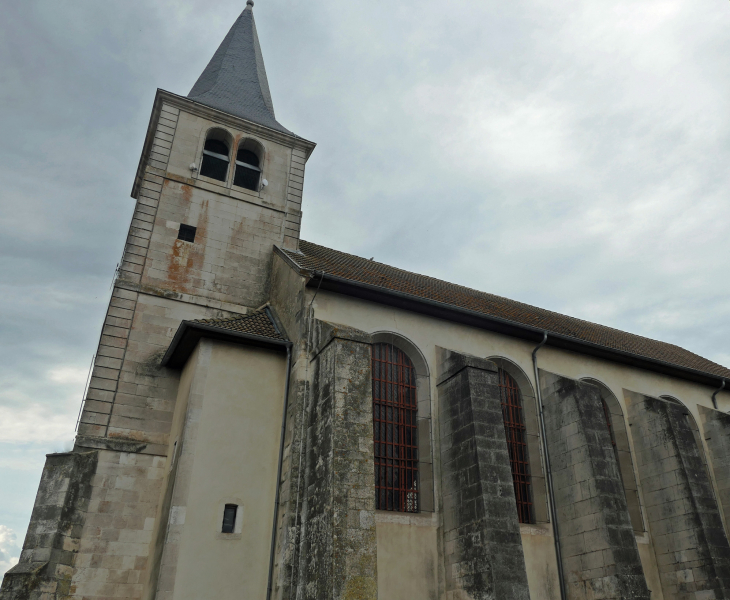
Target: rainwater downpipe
[(549, 471), (278, 473), (717, 391)]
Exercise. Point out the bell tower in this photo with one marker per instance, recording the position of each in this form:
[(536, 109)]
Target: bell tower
[(219, 163), (218, 186)]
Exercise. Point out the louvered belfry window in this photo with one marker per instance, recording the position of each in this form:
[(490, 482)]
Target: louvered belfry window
[(395, 430), (514, 428)]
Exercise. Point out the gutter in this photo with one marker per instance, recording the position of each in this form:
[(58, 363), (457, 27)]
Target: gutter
[(448, 312), (272, 552), (717, 391), (549, 471)]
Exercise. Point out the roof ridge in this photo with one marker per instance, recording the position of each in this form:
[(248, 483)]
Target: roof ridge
[(495, 296), (314, 257)]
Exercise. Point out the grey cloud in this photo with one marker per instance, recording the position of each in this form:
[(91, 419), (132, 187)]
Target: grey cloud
[(568, 154)]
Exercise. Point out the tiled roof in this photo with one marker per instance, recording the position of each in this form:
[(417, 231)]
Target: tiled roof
[(257, 323), (312, 257)]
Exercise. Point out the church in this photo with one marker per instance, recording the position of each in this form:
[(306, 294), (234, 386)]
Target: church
[(271, 419)]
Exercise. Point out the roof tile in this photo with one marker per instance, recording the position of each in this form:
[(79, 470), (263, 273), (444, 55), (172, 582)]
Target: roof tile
[(313, 257), (256, 323)]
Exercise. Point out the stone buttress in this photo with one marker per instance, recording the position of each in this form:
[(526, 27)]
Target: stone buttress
[(716, 426), (690, 543), (482, 544), (599, 552), (337, 557)]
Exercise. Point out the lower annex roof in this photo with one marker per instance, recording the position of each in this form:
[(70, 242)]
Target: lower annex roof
[(412, 286), (256, 328)]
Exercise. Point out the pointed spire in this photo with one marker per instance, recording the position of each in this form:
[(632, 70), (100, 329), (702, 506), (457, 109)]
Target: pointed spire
[(235, 79)]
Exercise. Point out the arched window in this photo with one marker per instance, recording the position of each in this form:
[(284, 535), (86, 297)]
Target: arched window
[(395, 430), (216, 156), (248, 169), (515, 430)]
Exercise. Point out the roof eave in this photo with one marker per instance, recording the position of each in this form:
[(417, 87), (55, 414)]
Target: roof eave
[(190, 333), (448, 312)]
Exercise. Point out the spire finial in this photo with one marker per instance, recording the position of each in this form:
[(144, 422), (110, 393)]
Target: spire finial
[(249, 3)]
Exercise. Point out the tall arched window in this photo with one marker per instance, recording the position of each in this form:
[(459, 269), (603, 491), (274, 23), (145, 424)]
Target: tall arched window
[(515, 430), (216, 156), (395, 430)]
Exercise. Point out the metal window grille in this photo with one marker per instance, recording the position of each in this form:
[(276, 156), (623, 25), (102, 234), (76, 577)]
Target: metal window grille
[(229, 518), (514, 428), (395, 430)]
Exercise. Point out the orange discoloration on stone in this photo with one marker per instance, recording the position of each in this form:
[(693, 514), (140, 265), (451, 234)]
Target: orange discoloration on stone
[(186, 257)]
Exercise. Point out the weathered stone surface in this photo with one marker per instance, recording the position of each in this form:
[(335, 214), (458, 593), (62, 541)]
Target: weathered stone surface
[(338, 553), (716, 426), (56, 524), (599, 552), (482, 543), (690, 543)]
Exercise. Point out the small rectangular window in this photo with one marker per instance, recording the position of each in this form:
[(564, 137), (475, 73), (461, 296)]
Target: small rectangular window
[(229, 518), (187, 233)]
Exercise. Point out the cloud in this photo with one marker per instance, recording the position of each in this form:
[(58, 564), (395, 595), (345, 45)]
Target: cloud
[(35, 424), (569, 154), (9, 551)]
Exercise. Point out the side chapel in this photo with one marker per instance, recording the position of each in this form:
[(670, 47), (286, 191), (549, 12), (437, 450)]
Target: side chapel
[(272, 419)]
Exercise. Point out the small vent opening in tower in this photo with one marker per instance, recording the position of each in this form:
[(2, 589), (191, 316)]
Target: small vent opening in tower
[(187, 233)]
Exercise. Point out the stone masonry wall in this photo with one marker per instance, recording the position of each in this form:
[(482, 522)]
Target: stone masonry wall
[(338, 546), (691, 546), (46, 563), (482, 542), (716, 426), (599, 552)]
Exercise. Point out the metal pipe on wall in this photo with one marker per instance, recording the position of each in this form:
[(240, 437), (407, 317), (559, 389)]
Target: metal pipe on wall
[(717, 391), (278, 473), (548, 471)]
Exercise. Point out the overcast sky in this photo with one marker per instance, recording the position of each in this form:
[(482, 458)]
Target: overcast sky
[(569, 154)]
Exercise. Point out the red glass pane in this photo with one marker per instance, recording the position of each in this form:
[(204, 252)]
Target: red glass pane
[(514, 428), (395, 430)]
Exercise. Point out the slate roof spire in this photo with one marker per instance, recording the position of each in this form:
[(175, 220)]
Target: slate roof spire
[(235, 79)]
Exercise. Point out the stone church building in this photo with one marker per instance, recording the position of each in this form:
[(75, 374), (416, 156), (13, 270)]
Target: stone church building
[(272, 419)]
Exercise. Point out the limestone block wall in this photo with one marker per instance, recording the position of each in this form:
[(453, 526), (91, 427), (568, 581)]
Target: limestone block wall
[(288, 299), (690, 543), (599, 552), (716, 426), (338, 544), (131, 398), (482, 542), (112, 557), (46, 563), (163, 280)]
